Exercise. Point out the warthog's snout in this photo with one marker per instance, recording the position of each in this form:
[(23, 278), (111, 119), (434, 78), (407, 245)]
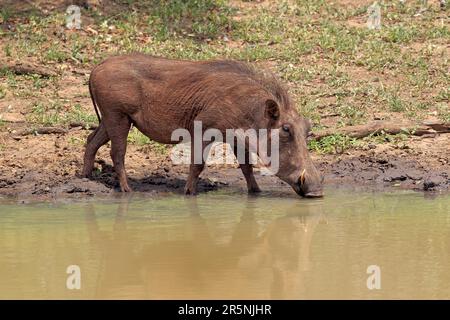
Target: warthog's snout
[(309, 185)]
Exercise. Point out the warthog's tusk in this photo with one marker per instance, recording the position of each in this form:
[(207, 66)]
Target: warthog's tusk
[(302, 177)]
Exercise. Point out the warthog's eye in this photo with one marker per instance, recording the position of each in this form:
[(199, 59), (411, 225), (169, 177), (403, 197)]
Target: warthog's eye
[(285, 128)]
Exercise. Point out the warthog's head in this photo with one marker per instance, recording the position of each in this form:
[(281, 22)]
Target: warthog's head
[(295, 164)]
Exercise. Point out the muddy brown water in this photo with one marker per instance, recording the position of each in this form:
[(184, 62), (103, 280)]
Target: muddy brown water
[(228, 245)]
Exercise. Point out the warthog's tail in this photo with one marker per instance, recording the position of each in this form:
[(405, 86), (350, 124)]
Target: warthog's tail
[(93, 101)]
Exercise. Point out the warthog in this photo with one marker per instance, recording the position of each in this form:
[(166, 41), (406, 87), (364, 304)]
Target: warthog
[(160, 95)]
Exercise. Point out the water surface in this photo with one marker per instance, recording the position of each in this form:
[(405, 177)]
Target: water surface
[(228, 245)]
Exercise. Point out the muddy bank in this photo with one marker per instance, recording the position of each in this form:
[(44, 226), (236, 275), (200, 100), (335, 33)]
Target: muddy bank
[(358, 172), (380, 172), (46, 167)]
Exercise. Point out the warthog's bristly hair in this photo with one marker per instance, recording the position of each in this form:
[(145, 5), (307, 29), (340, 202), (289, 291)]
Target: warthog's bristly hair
[(264, 78)]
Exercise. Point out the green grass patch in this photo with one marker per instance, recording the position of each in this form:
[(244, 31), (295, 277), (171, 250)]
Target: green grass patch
[(398, 140), (2, 92), (200, 19), (138, 138), (56, 113), (334, 144)]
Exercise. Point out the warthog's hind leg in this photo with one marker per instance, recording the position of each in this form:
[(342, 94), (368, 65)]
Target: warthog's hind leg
[(195, 169), (95, 140)]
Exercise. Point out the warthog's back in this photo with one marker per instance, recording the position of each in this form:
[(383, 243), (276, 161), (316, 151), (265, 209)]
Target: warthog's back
[(161, 95)]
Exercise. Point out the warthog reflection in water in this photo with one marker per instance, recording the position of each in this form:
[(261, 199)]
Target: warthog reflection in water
[(253, 264)]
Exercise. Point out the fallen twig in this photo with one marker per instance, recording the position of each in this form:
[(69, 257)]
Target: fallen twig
[(82, 125), (82, 72), (28, 68), (378, 127), (41, 130), (330, 115), (439, 126)]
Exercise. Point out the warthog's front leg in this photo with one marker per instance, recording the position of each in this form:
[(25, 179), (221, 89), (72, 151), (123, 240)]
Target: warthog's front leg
[(194, 172), (247, 170), (252, 185)]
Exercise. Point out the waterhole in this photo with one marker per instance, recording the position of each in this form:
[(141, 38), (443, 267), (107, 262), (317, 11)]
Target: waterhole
[(228, 246)]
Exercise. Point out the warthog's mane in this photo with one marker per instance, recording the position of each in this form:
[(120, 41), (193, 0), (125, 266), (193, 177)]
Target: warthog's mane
[(264, 78)]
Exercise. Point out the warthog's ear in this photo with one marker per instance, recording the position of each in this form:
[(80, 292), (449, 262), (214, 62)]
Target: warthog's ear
[(272, 110)]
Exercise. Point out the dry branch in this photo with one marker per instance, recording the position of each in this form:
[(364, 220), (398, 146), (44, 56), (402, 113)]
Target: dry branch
[(377, 127), (41, 130), (83, 125), (28, 68)]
